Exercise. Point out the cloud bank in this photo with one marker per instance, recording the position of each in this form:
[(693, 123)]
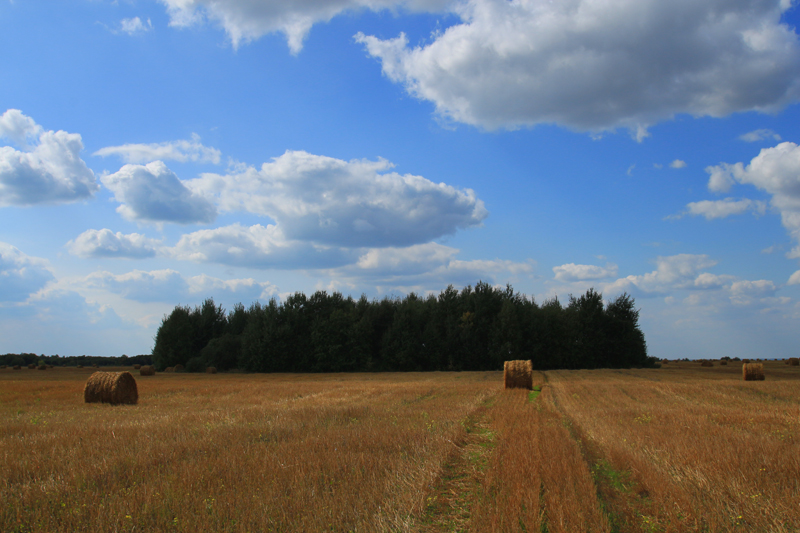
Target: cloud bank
[(595, 66), (105, 243), (48, 169), (181, 151), (355, 203)]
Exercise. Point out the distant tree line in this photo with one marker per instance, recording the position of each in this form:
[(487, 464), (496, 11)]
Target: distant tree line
[(477, 328), (24, 359)]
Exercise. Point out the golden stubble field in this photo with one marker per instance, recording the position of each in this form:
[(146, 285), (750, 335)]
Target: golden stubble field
[(681, 448)]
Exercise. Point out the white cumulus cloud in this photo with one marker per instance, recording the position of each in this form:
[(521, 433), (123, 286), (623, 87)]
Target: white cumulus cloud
[(21, 275), (774, 170), (573, 272), (678, 163), (133, 26), (356, 203), (106, 243), (48, 169), (181, 151), (712, 209), (153, 193), (256, 247), (759, 135), (595, 66), (247, 20), (672, 272)]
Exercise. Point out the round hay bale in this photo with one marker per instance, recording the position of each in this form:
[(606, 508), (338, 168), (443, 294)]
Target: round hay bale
[(42, 367), (169, 369), (179, 368), (753, 372), (111, 387), (794, 361), (31, 366), (137, 367), (147, 370), (723, 362), (706, 363), (17, 367), (211, 370), (518, 374)]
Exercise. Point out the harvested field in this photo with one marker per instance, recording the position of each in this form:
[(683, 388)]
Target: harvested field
[(682, 448)]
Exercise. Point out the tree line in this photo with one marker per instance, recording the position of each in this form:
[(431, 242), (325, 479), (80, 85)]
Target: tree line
[(477, 328)]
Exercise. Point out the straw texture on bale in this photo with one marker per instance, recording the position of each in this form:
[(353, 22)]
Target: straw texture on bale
[(706, 363), (753, 372), (137, 367), (211, 370), (518, 374), (794, 361), (147, 370), (111, 387)]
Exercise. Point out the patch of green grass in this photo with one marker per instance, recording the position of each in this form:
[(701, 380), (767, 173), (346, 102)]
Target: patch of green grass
[(537, 389)]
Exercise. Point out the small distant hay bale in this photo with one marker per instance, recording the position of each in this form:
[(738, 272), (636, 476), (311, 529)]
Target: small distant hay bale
[(111, 387), (753, 372), (17, 367), (706, 363), (147, 370), (794, 361), (211, 370), (42, 367), (723, 362), (169, 369), (179, 368), (31, 366), (80, 366), (137, 367), (518, 374)]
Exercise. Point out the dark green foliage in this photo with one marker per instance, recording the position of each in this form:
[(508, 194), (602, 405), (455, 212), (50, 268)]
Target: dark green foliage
[(476, 328), (195, 364)]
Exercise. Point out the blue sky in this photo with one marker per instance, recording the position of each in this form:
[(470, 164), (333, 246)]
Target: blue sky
[(160, 153)]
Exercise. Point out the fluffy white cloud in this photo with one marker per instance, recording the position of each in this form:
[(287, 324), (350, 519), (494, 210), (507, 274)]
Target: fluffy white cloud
[(422, 268), (594, 66), (106, 243), (171, 286), (247, 20), (712, 209), (48, 170), (794, 279), (182, 151), (775, 171), (678, 163), (746, 292), (20, 275), (345, 203), (573, 272), (256, 247), (134, 25), (759, 135), (153, 193), (672, 272)]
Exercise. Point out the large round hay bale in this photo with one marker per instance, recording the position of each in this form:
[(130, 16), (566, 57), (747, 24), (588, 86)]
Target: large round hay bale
[(147, 370), (518, 374), (211, 370), (753, 372), (706, 363), (111, 387), (178, 368), (137, 367), (794, 361)]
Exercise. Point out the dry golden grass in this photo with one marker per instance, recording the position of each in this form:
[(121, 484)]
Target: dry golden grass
[(682, 448)]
